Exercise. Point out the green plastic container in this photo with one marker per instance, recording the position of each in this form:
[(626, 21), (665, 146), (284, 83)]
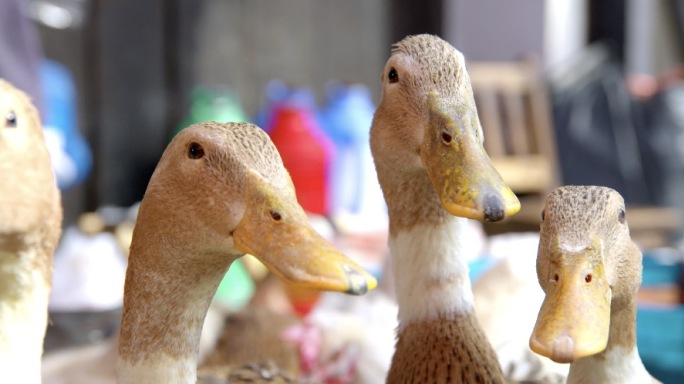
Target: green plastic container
[(222, 104)]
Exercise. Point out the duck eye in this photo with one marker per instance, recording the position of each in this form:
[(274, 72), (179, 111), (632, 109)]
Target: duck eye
[(195, 151), (276, 215), (621, 216), (393, 76), (543, 214), (10, 120), (446, 138)]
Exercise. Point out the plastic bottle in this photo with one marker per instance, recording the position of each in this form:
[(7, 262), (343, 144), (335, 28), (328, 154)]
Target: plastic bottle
[(222, 104), (213, 103), (347, 119), (306, 152)]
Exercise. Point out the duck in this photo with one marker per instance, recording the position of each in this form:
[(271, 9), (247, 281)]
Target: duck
[(246, 334), (219, 191), (427, 144), (30, 227), (507, 298), (590, 271)]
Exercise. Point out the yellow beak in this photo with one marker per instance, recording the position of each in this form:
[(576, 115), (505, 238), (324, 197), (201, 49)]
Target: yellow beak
[(459, 168), (276, 231), (574, 319)]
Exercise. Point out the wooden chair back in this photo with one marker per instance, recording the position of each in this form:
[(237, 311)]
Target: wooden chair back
[(514, 110)]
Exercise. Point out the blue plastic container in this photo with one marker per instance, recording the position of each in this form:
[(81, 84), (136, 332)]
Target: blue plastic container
[(60, 115), (660, 330), (346, 119)]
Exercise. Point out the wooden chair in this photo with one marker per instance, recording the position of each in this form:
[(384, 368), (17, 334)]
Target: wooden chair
[(513, 106)]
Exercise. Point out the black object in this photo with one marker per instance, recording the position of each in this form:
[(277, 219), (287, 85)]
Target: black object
[(606, 137), (661, 135), (598, 142)]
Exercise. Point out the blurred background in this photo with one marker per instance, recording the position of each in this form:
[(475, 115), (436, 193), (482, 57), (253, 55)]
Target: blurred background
[(568, 91), (134, 67)]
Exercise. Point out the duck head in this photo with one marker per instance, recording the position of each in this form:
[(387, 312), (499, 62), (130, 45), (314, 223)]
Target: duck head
[(228, 187), (29, 199), (586, 264), (427, 122)]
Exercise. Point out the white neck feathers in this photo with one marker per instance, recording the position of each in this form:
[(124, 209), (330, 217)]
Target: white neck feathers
[(619, 366), (430, 274), (163, 369), (23, 317)]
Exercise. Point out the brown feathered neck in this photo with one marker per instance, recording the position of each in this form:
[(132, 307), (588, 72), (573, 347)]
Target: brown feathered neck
[(182, 245)]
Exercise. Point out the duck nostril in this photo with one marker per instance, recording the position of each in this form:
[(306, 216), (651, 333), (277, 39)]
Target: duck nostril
[(588, 278), (493, 208), (446, 138), (10, 120), (562, 349), (276, 216)]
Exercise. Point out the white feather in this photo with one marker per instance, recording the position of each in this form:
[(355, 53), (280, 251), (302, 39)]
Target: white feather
[(23, 318), (621, 366), (430, 273)]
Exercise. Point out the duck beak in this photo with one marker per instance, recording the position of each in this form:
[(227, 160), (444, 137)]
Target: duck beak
[(276, 231), (574, 319), (460, 170)]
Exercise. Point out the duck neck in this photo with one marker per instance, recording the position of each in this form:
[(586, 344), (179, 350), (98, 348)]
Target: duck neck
[(439, 335), (430, 276), (620, 361), (24, 291), (166, 298), (429, 273)]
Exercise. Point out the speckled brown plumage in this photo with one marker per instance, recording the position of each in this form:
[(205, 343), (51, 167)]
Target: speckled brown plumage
[(401, 203), (267, 372), (572, 215), (444, 351), (254, 336), (442, 67)]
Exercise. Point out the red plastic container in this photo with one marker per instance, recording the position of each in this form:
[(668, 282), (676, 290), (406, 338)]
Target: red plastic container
[(306, 152)]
